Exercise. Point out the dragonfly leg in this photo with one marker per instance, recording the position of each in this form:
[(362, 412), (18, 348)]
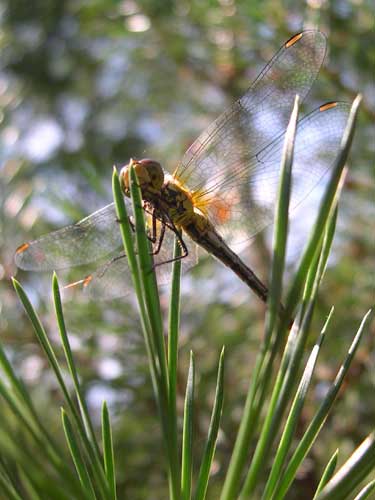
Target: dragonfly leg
[(161, 238), (154, 231), (132, 225), (153, 238), (180, 241)]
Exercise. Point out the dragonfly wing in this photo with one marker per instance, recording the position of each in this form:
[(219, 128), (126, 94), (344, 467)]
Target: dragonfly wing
[(110, 281), (86, 241), (113, 279), (255, 119), (249, 199)]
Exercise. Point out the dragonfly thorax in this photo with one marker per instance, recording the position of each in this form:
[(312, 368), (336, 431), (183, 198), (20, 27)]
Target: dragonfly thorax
[(177, 202), (161, 191)]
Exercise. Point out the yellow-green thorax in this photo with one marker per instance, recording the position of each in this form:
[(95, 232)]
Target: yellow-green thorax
[(165, 193)]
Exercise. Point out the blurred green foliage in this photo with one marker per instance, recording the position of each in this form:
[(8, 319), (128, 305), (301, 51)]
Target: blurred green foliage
[(88, 84)]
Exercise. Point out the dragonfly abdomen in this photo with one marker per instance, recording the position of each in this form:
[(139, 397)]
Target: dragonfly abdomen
[(203, 233)]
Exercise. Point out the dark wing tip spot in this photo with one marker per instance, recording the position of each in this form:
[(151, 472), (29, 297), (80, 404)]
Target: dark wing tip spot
[(293, 40), (22, 248), (328, 105)]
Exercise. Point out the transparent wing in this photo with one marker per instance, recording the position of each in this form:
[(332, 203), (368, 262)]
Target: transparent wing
[(241, 205), (92, 239), (109, 281), (86, 241), (113, 279), (257, 118)]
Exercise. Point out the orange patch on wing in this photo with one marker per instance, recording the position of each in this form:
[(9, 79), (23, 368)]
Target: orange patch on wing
[(214, 206), (293, 40), (328, 105), (220, 210), (22, 248), (201, 201)]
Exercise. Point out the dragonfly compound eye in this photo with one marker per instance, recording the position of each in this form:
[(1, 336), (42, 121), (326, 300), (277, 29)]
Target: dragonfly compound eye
[(124, 180), (152, 172), (150, 176)]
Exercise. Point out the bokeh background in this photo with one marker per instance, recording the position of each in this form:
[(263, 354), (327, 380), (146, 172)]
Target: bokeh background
[(85, 85)]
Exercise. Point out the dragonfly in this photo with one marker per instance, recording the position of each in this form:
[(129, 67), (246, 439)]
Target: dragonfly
[(224, 189)]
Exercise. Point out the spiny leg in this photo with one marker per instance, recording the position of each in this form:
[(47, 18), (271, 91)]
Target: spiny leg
[(170, 224), (161, 238), (153, 238)]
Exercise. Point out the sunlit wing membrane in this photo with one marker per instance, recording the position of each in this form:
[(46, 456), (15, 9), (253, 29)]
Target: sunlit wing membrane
[(231, 171), (109, 281), (113, 279), (86, 241), (91, 239), (241, 205), (257, 118)]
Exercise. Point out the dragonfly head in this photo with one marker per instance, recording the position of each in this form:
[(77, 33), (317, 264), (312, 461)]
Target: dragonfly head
[(150, 177)]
